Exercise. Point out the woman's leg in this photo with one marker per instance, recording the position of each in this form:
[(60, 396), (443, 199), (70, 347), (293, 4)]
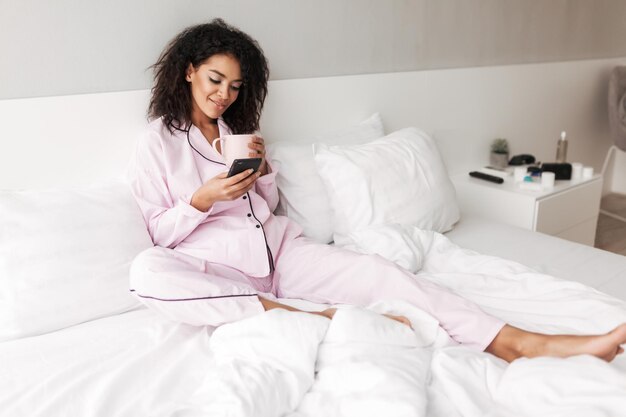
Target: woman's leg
[(512, 343), (190, 290), (327, 274)]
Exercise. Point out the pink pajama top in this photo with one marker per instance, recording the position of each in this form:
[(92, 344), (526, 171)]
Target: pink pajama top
[(242, 234)]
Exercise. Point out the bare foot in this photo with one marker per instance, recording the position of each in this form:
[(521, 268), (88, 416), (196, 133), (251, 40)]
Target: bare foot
[(328, 313), (605, 346), (512, 343)]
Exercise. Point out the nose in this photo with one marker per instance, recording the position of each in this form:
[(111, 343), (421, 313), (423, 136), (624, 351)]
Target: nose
[(224, 91)]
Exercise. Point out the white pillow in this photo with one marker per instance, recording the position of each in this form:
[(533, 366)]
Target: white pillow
[(398, 179), (65, 256), (402, 245), (303, 196)]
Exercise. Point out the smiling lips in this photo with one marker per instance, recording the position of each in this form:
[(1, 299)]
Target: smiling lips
[(221, 105)]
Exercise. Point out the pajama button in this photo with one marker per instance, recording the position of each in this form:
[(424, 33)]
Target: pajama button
[(249, 215), (258, 227), (244, 197)]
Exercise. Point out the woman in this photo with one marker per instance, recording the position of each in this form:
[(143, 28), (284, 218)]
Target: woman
[(221, 255)]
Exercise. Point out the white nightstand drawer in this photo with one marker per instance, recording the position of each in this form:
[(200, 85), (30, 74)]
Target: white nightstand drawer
[(559, 212), (582, 233)]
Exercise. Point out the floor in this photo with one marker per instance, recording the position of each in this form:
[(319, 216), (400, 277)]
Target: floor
[(611, 232)]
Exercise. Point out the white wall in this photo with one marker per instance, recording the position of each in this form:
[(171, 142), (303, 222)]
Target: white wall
[(84, 46), (463, 109), (62, 47)]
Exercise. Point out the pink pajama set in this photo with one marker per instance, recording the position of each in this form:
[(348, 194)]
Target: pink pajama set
[(209, 268)]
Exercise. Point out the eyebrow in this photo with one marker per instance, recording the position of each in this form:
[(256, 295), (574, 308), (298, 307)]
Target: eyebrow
[(222, 75)]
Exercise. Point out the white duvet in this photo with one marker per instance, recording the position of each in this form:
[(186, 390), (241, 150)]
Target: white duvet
[(359, 364)]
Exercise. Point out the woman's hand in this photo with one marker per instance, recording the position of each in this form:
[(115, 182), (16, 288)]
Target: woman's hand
[(258, 151), (221, 188)]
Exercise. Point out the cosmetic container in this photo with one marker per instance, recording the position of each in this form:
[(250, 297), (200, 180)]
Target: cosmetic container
[(561, 148)]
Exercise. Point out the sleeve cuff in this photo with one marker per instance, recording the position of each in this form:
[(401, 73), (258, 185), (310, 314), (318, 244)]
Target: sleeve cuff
[(190, 211)]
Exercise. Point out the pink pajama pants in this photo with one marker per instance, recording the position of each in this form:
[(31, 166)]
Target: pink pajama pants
[(190, 290)]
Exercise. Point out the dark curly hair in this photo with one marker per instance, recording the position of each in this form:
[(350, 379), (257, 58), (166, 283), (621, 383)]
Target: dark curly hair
[(171, 93)]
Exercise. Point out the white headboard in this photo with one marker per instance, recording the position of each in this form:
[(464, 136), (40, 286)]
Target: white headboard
[(68, 140), (74, 140)]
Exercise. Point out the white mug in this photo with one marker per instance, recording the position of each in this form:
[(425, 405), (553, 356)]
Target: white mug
[(234, 147)]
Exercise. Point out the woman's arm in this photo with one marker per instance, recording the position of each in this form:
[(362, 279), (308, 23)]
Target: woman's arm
[(170, 220), (223, 188)]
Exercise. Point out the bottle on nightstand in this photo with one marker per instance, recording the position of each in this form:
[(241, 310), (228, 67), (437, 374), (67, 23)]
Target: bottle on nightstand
[(561, 148)]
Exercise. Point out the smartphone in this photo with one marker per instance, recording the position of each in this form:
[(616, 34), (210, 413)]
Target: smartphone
[(240, 165)]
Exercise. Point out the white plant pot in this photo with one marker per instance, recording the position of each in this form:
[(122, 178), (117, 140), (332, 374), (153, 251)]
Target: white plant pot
[(499, 160)]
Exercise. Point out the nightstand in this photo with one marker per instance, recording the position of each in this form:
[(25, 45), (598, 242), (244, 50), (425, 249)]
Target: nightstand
[(569, 210)]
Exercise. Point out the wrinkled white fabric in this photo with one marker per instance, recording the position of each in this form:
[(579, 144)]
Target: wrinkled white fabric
[(403, 245), (263, 366), (358, 364), (369, 365), (579, 386)]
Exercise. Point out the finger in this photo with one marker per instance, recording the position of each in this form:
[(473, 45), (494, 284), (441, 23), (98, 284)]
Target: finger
[(241, 188), (235, 179), (249, 182), (245, 184), (257, 147), (256, 142)]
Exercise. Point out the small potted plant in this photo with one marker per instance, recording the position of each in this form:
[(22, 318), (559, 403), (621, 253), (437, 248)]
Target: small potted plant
[(499, 153)]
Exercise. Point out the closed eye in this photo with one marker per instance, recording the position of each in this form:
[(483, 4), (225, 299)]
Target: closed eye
[(218, 82)]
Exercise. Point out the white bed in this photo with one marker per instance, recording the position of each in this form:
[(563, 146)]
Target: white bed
[(596, 268), (99, 359)]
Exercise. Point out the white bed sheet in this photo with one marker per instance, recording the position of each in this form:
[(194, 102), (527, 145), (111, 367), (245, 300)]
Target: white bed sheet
[(550, 255), (129, 364), (280, 363)]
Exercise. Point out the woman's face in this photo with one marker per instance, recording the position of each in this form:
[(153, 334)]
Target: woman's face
[(215, 85)]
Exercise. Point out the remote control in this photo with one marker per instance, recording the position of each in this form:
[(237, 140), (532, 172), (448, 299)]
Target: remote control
[(486, 177)]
